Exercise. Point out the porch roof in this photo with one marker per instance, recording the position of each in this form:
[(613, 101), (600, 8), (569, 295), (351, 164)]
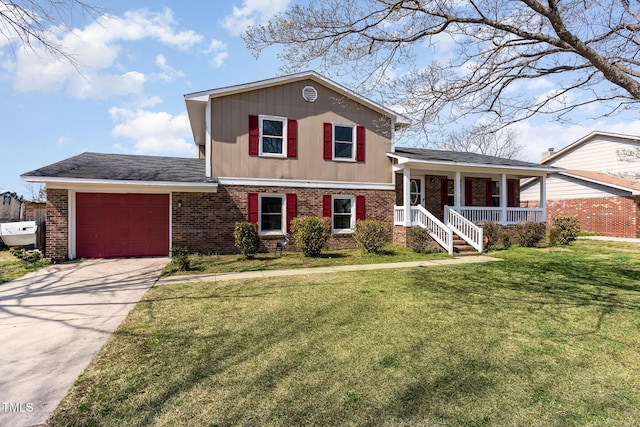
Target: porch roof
[(441, 160)]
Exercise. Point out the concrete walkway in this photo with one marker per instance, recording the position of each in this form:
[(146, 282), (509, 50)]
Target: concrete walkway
[(54, 321), (320, 270)]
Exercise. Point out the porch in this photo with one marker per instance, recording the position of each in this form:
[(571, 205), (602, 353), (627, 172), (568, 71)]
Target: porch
[(451, 193)]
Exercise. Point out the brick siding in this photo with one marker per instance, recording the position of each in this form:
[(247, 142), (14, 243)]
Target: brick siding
[(205, 222), (57, 224), (609, 216)]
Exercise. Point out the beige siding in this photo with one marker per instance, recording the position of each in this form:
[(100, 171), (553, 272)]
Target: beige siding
[(229, 118), (599, 155), (565, 188)]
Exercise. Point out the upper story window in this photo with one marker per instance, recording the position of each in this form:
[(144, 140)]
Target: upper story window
[(6, 200), (343, 141), (273, 136)]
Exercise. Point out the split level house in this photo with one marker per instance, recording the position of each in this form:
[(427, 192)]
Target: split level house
[(270, 151), (599, 184)]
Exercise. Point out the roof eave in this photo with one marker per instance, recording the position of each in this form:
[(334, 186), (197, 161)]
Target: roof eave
[(89, 181), (631, 190)]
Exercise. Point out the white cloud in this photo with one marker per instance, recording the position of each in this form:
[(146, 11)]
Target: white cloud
[(96, 49), (156, 133), (168, 73), (219, 51), (252, 12)]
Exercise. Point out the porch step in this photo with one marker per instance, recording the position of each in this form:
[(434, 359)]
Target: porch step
[(462, 248)]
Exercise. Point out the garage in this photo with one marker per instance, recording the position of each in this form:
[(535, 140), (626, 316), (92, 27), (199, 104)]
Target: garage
[(122, 225)]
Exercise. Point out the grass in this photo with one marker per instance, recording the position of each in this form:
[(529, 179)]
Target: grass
[(549, 337), (210, 264), (11, 267)]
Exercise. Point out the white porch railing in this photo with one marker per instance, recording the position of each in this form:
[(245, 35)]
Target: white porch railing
[(425, 219), (511, 215), (470, 233)]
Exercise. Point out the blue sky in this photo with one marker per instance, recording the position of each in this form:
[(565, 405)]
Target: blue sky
[(135, 66)]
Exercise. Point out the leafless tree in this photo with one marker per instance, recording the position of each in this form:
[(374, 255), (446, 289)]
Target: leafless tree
[(578, 52), (36, 192), (31, 24), (630, 155), (476, 139)]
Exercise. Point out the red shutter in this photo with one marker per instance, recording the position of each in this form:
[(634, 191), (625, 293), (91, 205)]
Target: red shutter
[(488, 192), (444, 192), (254, 135), (468, 192), (360, 208), (511, 192), (252, 207), (292, 138), (327, 141), (292, 209), (326, 205), (360, 144)]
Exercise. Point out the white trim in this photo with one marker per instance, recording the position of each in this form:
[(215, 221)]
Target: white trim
[(205, 187), (421, 186), (265, 182), (207, 142), (284, 121), (283, 214), (71, 224), (353, 214)]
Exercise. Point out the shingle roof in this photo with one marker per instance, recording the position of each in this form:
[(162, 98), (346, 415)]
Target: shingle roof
[(123, 167), (606, 179), (462, 157)]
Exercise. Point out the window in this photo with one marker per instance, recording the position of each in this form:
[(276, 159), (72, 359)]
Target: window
[(271, 214), (343, 214), (451, 201), (273, 136), (495, 193), (343, 142), (415, 194), (6, 200)]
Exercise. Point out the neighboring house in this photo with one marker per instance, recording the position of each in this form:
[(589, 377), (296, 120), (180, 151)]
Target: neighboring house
[(10, 207), (600, 184), (270, 151)]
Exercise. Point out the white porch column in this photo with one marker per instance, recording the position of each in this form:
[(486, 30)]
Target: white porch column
[(503, 199), (457, 191), (543, 197), (406, 195)]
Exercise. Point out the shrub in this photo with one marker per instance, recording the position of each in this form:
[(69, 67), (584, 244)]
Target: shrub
[(529, 234), (421, 242), (372, 235), (491, 231), (505, 238), (564, 230), (310, 234), (180, 258), (30, 256), (247, 239)]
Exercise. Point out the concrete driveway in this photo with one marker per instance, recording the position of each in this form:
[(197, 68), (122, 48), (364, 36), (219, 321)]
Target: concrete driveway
[(52, 323)]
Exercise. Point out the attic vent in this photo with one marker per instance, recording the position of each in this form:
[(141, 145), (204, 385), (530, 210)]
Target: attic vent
[(309, 94)]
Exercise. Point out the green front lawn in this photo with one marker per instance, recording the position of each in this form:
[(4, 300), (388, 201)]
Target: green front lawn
[(210, 264), (549, 337), (12, 267)]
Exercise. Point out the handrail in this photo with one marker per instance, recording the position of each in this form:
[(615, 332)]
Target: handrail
[(442, 234), (470, 233)]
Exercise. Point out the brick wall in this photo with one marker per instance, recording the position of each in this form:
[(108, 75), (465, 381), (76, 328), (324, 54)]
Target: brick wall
[(609, 216), (206, 221), (57, 224)]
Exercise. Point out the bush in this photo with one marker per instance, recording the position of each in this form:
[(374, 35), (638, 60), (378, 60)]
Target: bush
[(564, 230), (372, 235), (180, 258), (505, 238), (491, 231), (421, 242), (310, 234), (529, 234), (247, 239)]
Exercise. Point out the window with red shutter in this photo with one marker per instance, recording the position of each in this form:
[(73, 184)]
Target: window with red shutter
[(292, 138), (252, 207), (327, 141), (360, 144)]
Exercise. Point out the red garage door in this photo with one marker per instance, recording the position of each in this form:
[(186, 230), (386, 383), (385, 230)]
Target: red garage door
[(122, 225)]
